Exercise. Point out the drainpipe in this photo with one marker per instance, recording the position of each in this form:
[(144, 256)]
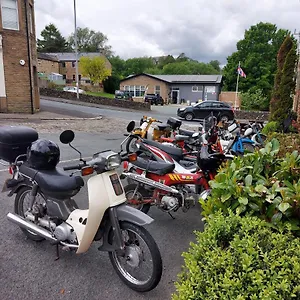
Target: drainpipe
[(29, 56)]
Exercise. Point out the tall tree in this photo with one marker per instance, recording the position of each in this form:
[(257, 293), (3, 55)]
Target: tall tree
[(215, 64), (284, 85), (91, 41), (138, 65), (94, 68), (52, 40), (257, 53)]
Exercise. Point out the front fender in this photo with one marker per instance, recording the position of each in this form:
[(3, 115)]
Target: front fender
[(246, 140), (133, 215)]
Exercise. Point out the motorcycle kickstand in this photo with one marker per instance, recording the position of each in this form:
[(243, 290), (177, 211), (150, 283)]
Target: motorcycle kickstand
[(57, 252), (171, 216)]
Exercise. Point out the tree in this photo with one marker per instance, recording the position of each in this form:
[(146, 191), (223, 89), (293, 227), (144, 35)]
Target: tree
[(189, 68), (94, 68), (257, 54), (215, 64), (138, 65), (52, 40), (254, 100), (91, 41), (284, 85)]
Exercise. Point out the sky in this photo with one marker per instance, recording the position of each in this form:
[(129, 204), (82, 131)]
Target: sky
[(204, 30)]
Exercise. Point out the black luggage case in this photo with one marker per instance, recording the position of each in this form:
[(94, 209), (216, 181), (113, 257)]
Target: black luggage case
[(174, 123), (14, 141)]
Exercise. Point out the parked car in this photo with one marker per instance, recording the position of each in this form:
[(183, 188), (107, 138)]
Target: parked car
[(123, 95), (203, 109), (154, 99), (73, 89)]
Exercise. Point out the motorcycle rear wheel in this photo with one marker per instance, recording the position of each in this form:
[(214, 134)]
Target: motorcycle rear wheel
[(22, 197), (140, 194), (135, 258)]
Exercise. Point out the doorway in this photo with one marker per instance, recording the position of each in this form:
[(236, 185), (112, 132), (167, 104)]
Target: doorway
[(175, 96)]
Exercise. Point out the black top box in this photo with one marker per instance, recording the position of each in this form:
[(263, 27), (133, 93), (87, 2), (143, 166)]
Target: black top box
[(14, 141), (174, 123)]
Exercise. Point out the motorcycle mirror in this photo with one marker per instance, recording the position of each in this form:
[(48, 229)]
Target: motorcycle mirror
[(67, 136), (130, 126)]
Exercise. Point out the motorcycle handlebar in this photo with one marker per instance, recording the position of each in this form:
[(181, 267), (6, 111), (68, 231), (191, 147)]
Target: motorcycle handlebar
[(74, 167)]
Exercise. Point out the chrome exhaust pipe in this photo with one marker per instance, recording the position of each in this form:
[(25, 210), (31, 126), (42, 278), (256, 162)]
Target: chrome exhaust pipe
[(150, 182), (20, 221)]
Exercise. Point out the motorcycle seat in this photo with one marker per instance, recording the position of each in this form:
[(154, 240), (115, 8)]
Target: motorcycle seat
[(163, 127), (180, 137), (159, 168), (54, 183), (186, 132), (176, 153)]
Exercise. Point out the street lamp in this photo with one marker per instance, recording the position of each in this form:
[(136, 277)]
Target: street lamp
[(76, 50)]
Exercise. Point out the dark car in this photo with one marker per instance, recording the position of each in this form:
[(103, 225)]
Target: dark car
[(123, 95), (154, 99), (205, 108)]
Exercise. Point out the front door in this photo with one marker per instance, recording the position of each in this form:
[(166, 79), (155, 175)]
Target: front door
[(175, 97)]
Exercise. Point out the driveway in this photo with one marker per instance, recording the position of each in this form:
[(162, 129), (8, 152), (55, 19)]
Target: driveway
[(29, 271)]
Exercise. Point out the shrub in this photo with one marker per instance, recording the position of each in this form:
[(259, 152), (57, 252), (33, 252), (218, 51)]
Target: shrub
[(288, 142), (261, 184), (240, 258), (270, 127), (254, 100)]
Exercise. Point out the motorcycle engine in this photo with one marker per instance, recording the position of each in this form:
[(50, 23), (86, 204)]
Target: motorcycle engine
[(169, 203), (65, 232)]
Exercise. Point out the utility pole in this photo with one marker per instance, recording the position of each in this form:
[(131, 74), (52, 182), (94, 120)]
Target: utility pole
[(296, 103), (76, 50)]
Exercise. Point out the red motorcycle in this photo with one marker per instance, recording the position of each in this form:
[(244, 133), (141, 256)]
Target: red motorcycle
[(160, 167)]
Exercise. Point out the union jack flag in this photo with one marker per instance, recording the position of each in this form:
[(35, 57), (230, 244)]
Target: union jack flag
[(241, 72)]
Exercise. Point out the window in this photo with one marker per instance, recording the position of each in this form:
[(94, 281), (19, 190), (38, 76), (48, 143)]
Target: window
[(64, 77), (74, 77), (135, 90), (79, 77), (63, 64), (157, 89), (10, 18), (197, 88), (73, 64)]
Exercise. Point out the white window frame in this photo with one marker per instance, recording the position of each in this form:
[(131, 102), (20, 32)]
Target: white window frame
[(17, 13), (133, 89), (157, 89), (197, 88)]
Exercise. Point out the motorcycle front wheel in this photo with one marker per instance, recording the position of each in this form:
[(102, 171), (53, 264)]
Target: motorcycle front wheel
[(140, 265), (135, 197)]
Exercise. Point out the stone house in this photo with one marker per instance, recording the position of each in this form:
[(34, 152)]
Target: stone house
[(174, 88), (67, 65), (47, 64), (19, 91)]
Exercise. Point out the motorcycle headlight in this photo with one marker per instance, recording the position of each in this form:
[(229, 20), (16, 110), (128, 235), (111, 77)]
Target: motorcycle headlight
[(113, 161)]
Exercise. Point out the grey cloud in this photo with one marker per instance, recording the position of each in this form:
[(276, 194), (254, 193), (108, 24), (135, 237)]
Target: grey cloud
[(202, 29)]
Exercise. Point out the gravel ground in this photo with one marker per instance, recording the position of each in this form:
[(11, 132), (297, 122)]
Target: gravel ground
[(56, 123)]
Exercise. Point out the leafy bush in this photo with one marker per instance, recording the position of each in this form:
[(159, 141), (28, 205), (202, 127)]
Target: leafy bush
[(260, 184), (254, 100), (270, 127), (240, 258), (288, 142)]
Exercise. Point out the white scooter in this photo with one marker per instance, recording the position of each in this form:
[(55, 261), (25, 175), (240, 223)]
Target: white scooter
[(44, 209)]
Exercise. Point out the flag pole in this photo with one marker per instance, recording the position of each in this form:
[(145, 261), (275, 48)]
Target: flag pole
[(237, 87)]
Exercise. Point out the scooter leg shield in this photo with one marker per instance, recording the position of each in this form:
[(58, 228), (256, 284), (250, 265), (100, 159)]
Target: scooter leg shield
[(133, 215)]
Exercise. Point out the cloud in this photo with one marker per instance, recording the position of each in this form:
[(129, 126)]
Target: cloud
[(203, 30)]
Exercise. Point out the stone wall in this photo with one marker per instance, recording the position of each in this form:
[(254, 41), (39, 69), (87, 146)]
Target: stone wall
[(252, 115), (95, 99)]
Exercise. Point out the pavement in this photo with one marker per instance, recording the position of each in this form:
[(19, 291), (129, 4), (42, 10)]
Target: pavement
[(28, 269)]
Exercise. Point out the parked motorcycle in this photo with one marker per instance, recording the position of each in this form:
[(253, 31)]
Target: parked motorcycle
[(160, 167), (45, 209)]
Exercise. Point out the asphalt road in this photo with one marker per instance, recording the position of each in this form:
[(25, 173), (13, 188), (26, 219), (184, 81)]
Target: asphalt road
[(28, 269), (159, 112)]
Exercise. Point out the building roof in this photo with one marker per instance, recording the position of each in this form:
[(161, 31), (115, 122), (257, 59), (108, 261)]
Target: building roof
[(70, 56), (182, 78), (45, 56)]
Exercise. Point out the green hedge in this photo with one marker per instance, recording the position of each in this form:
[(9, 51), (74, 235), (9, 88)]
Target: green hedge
[(261, 184), (240, 258)]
